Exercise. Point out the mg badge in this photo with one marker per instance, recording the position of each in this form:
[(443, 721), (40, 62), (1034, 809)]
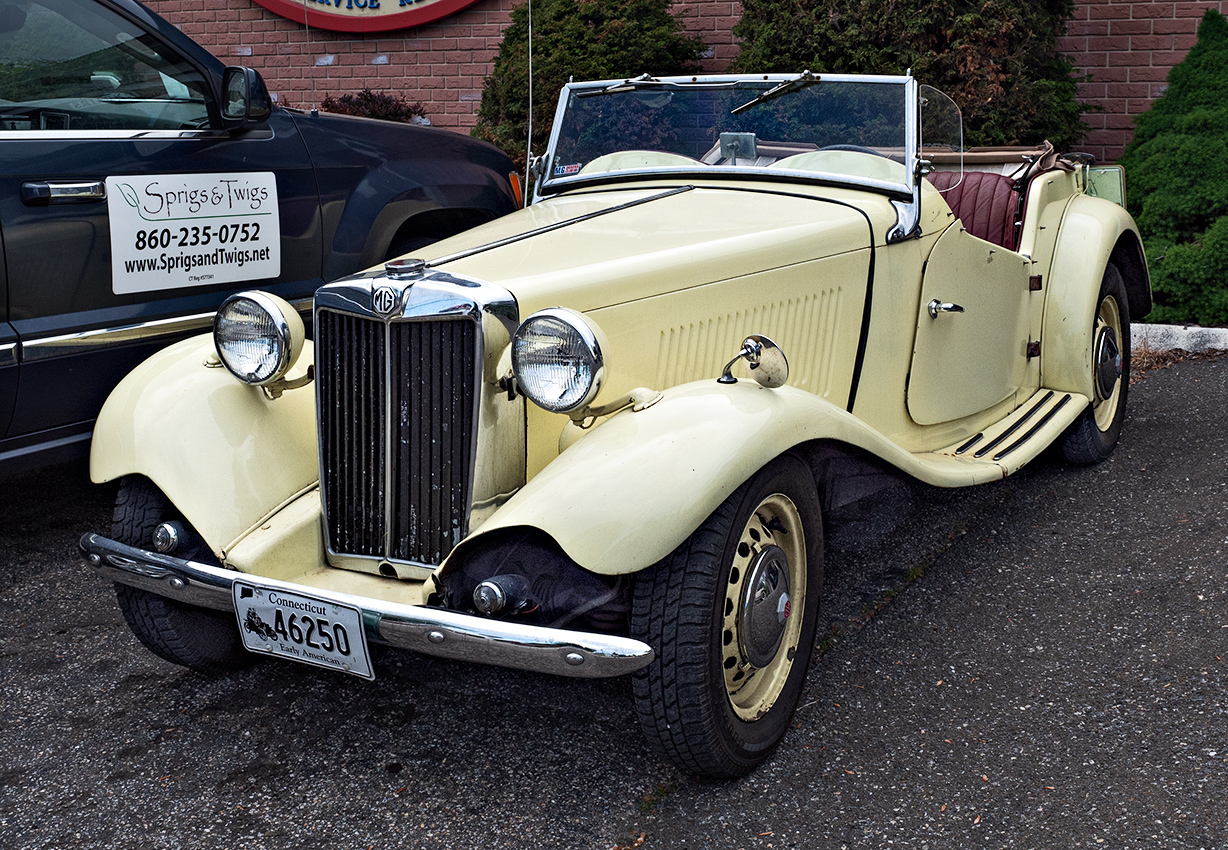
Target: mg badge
[(384, 300)]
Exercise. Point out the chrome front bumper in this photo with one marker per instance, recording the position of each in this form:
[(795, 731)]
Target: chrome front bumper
[(430, 631)]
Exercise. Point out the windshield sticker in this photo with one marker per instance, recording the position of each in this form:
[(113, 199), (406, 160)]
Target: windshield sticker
[(564, 170), (172, 231)]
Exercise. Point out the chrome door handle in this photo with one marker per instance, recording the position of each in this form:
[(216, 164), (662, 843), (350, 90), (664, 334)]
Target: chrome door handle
[(40, 193), (936, 307)]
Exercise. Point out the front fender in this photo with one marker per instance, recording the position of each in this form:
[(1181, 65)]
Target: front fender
[(223, 453), (628, 492), (1090, 232)]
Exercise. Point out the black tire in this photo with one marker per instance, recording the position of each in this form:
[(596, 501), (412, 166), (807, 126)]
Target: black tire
[(197, 638), (1092, 437), (691, 704)]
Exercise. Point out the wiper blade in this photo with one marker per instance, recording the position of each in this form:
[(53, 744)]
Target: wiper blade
[(640, 82), (803, 80)]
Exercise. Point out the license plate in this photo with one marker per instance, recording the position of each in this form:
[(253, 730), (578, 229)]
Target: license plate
[(302, 628)]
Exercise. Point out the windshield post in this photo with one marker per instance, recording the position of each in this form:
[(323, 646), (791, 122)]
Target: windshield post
[(908, 214)]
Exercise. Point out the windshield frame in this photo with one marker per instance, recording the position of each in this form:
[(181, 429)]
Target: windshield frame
[(546, 184)]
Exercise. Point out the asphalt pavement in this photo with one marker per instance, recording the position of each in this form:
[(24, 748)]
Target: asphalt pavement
[(1035, 663)]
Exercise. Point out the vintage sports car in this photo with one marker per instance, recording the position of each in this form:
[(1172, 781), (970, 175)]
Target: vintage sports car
[(597, 436)]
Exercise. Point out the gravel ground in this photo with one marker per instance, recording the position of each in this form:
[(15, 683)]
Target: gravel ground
[(1030, 664)]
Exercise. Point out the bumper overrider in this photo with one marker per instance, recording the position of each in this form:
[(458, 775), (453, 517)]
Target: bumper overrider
[(430, 631)]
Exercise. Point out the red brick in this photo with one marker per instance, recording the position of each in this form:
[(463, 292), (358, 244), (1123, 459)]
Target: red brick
[(1111, 75), (1109, 43), (1109, 12), (1151, 42), (1125, 90), (1137, 27), (1194, 10), (1127, 58), (1174, 25), (1149, 74)]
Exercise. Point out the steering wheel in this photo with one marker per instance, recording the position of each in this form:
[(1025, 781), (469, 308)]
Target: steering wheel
[(854, 148)]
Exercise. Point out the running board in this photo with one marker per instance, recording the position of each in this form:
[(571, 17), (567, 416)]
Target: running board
[(1017, 439)]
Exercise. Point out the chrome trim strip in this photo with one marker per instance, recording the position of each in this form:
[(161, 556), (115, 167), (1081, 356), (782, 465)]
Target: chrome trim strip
[(430, 631), (97, 135), (8, 354), (65, 344)]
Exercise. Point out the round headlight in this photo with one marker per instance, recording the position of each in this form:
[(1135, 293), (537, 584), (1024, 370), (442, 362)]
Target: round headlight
[(258, 336), (557, 360)]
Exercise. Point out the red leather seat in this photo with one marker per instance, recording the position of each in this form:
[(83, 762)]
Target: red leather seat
[(985, 202)]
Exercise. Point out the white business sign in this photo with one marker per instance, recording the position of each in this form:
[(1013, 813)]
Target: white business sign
[(170, 231)]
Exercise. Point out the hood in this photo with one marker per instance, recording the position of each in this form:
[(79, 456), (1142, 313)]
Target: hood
[(662, 244)]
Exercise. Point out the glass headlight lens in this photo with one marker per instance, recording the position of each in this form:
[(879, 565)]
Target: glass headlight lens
[(557, 360), (258, 336)]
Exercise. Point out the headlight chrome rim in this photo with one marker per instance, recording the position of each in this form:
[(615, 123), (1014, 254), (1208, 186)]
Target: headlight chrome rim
[(586, 334), (285, 335)]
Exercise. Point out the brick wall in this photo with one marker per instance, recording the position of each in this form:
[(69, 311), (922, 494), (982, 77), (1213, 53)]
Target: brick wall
[(441, 64), (1127, 48)]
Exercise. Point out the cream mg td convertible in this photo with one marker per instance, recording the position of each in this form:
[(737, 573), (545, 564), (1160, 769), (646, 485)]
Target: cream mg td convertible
[(596, 437)]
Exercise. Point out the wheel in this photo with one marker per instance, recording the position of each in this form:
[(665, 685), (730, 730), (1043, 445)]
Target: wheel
[(198, 638), (1092, 437), (731, 616)]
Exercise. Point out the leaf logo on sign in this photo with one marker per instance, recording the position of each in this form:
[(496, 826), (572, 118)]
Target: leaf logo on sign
[(129, 195)]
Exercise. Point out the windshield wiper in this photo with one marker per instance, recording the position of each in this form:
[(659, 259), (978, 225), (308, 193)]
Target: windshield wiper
[(642, 81), (803, 80)]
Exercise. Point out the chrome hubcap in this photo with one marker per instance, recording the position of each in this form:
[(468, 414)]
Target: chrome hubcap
[(765, 606), (1108, 363)]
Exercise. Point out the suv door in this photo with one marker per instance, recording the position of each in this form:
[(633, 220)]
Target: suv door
[(128, 210)]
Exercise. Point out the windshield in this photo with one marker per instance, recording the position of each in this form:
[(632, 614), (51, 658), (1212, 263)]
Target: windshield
[(835, 128)]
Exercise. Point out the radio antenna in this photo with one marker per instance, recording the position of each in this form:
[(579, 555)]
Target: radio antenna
[(528, 154), (311, 70)]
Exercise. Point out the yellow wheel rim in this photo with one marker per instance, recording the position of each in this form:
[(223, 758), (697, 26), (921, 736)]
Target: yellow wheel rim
[(1107, 362), (764, 599)]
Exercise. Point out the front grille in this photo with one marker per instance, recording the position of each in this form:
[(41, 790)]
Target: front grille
[(397, 406)]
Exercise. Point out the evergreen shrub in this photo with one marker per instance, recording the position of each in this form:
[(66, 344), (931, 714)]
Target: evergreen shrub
[(1177, 183), (997, 59), (584, 39)]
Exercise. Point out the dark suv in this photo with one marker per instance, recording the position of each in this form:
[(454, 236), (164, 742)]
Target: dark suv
[(141, 182)]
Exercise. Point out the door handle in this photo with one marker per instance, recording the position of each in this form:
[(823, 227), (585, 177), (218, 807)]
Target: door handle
[(936, 307), (40, 193)]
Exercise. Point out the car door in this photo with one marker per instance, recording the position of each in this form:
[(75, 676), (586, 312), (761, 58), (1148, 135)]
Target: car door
[(971, 349), (116, 242)]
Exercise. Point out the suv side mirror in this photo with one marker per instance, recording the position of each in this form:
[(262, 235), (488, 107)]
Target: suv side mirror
[(245, 98)]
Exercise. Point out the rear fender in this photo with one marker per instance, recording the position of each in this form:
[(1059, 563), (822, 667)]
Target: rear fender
[(223, 453), (1093, 231)]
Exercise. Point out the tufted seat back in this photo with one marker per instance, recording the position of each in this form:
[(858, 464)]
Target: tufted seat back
[(985, 202)]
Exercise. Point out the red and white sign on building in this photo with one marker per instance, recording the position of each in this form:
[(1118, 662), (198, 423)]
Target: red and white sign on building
[(365, 15)]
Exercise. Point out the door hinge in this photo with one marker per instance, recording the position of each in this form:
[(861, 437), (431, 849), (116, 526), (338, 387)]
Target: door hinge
[(1033, 348), (1034, 283)]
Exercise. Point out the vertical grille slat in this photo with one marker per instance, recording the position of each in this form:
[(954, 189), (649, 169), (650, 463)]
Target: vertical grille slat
[(419, 422)]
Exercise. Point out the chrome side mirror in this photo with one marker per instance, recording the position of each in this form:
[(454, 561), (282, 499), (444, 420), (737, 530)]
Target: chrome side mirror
[(768, 364)]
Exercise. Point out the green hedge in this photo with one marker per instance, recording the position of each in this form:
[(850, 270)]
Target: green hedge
[(997, 58), (1177, 183), (584, 39)]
